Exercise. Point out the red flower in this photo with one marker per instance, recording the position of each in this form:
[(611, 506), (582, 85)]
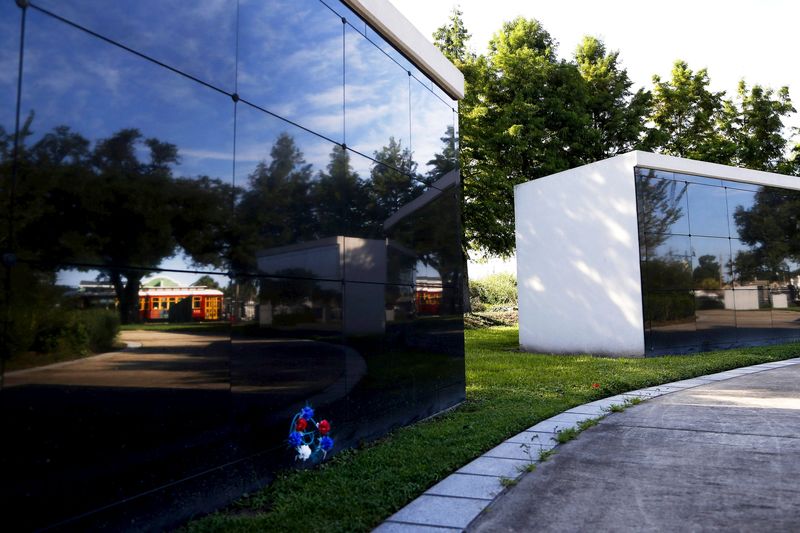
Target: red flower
[(301, 424), (595, 385), (324, 427)]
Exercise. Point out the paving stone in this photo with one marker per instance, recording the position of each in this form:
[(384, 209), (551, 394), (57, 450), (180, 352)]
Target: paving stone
[(443, 511), (546, 440), (588, 409), (468, 486), (689, 383), (644, 394), (494, 466), (397, 527), (524, 451), (558, 423)]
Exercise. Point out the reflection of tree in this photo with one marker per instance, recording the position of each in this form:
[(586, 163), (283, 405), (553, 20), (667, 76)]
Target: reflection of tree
[(276, 208), (659, 203), (769, 227), (447, 160), (76, 205), (392, 183), (115, 206), (707, 273), (340, 198)]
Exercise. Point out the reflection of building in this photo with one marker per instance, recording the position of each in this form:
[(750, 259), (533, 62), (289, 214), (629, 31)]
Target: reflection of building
[(647, 254), (360, 283)]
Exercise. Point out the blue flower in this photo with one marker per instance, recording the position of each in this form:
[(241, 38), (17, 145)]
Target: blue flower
[(308, 412), (326, 443), (295, 439)]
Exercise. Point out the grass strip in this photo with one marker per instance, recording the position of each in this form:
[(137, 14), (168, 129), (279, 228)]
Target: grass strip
[(507, 391)]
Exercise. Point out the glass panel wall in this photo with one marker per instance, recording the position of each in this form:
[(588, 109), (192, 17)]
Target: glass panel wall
[(214, 214), (719, 262)]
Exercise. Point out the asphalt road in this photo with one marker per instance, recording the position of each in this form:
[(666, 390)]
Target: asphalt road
[(721, 457)]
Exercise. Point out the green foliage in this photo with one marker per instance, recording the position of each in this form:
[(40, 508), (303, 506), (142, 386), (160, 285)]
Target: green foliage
[(508, 482), (566, 435), (494, 290), (669, 306), (684, 112), (527, 114), (452, 38), (507, 391)]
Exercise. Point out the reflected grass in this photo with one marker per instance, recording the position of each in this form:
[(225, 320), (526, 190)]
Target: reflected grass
[(507, 391)]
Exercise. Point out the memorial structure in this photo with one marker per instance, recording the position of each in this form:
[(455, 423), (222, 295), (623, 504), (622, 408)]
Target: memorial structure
[(645, 254), (292, 160)]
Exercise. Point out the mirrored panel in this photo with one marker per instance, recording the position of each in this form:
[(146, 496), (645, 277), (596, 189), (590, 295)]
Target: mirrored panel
[(10, 20), (662, 204), (197, 38), (708, 213), (701, 180), (124, 162), (668, 263), (287, 353), (432, 133), (712, 265), (785, 303), (740, 206), (99, 405), (377, 112), (296, 69), (715, 324), (671, 319), (292, 188), (753, 312)]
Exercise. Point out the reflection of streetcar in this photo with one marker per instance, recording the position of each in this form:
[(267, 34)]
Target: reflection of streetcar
[(192, 304), (428, 300), (162, 298)]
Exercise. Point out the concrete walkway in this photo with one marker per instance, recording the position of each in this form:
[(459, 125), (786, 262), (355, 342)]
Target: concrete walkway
[(719, 452)]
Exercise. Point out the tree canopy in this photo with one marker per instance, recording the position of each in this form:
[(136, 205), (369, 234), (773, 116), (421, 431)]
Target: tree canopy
[(528, 113)]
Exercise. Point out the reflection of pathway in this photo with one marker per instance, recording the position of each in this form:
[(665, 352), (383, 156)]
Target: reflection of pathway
[(112, 428), (164, 360), (289, 369)]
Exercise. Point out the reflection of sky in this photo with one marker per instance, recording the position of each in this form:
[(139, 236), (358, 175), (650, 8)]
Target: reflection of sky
[(9, 63), (291, 61), (72, 78), (198, 37), (72, 278)]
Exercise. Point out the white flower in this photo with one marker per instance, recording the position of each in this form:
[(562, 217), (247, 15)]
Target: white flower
[(303, 452)]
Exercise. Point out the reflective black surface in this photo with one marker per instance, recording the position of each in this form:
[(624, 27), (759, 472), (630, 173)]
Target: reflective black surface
[(719, 262), (265, 199)]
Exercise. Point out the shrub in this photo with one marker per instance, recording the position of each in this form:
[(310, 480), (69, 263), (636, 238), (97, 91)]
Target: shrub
[(495, 290), (102, 327)]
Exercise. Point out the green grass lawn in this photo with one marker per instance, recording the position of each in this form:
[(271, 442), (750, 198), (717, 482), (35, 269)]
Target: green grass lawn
[(507, 391)]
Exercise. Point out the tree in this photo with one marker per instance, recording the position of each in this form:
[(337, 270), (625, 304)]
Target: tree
[(452, 38), (526, 118), (618, 116), (754, 126), (685, 115), (206, 281)]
